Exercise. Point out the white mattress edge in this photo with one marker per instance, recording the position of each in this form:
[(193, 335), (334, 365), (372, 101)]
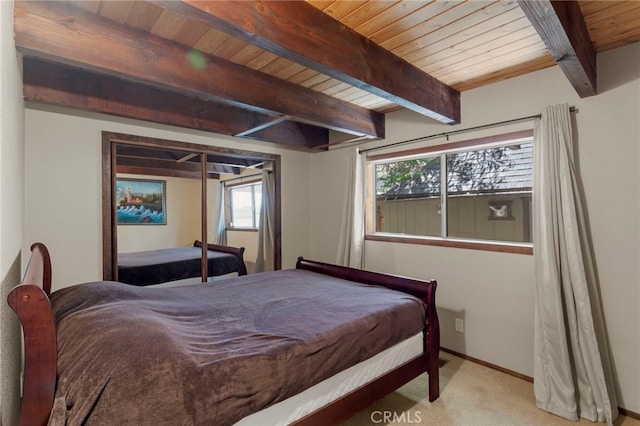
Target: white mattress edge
[(327, 391)]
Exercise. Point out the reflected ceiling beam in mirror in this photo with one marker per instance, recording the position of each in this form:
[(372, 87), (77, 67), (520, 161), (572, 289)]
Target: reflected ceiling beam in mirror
[(234, 162), (258, 165), (123, 150), (186, 158), (165, 173), (169, 168), (263, 126)]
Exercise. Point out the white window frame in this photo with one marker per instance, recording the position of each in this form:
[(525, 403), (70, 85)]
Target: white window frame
[(231, 187), (525, 136)]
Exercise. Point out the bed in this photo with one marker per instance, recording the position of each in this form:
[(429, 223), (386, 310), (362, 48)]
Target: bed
[(179, 265), (201, 362)]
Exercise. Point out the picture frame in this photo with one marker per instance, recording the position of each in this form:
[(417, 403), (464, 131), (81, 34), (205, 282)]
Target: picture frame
[(140, 202), (500, 210)]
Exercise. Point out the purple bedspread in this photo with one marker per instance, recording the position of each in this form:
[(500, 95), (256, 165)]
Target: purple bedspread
[(211, 354), (172, 264)]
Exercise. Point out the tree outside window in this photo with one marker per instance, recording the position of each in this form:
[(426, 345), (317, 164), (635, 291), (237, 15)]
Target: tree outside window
[(487, 194)]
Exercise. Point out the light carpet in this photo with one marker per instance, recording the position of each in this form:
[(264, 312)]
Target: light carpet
[(470, 394)]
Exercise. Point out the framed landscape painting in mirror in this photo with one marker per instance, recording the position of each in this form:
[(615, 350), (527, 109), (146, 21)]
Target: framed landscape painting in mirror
[(140, 202)]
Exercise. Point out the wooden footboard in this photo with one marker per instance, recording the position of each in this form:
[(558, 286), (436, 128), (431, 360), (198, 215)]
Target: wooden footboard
[(236, 251), (428, 361), (30, 302)]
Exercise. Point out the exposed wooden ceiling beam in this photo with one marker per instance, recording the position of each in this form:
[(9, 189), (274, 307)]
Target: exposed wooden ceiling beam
[(61, 85), (561, 26), (273, 122), (66, 34), (223, 163), (186, 158), (304, 34), (171, 168), (155, 171), (240, 163)]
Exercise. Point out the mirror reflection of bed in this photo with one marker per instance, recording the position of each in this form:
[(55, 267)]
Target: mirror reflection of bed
[(178, 266), (162, 209)]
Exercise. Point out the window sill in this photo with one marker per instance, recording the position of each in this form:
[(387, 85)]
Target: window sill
[(243, 229), (517, 248)]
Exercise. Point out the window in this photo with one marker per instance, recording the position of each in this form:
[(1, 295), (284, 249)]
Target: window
[(465, 192), (245, 201)]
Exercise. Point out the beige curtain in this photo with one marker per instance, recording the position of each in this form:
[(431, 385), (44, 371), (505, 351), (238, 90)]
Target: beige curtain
[(219, 227), (266, 230), (351, 245), (572, 374)]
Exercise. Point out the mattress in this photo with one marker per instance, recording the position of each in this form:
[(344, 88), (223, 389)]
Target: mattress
[(329, 390)]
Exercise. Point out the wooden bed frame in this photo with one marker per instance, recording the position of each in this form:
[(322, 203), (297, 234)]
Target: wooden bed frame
[(236, 251), (31, 303)]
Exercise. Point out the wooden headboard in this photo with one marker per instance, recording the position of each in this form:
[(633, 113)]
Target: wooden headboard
[(30, 302)]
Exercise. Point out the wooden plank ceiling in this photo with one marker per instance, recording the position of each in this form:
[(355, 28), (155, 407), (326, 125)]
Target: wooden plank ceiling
[(288, 72)]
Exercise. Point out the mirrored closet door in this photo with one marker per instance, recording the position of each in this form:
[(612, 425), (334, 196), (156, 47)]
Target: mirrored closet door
[(161, 208)]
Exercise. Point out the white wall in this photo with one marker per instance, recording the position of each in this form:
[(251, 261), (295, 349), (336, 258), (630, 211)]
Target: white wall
[(248, 240), (63, 151), (11, 212), (493, 292)]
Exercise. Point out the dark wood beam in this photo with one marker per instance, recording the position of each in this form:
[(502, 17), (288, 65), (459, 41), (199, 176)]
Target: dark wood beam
[(236, 163), (194, 166), (561, 26), (186, 158), (58, 84), (304, 34), (150, 171), (156, 167), (62, 33), (276, 120), (233, 164)]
